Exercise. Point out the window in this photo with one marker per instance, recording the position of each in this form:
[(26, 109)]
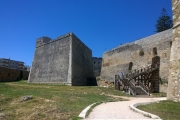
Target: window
[(141, 53), (130, 66), (170, 44), (94, 62), (155, 51)]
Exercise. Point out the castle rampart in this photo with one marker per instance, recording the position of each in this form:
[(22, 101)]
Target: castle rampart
[(137, 55), (56, 61)]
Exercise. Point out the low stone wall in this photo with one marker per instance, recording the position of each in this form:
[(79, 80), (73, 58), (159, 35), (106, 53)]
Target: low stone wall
[(10, 75)]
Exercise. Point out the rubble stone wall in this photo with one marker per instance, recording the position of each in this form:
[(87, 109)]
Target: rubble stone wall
[(137, 55), (174, 73), (10, 75)]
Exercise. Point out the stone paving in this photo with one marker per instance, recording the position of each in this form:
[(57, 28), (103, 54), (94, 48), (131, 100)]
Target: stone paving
[(119, 110)]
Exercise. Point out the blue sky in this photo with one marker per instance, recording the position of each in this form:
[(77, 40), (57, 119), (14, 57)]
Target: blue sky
[(100, 24)]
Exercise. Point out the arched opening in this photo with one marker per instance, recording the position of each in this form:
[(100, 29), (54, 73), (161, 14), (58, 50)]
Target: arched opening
[(130, 66), (155, 60), (155, 74)]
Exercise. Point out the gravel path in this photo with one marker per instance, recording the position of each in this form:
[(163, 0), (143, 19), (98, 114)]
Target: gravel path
[(119, 110)]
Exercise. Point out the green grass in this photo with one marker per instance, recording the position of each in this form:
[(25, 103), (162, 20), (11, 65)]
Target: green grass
[(161, 94), (90, 110), (50, 101), (166, 110)]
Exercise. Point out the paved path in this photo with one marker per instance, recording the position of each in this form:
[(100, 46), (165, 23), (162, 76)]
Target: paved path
[(119, 110)]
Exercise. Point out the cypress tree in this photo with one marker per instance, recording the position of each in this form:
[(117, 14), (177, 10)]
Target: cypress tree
[(164, 22)]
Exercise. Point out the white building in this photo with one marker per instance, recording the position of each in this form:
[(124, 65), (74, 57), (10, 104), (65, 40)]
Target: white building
[(12, 64)]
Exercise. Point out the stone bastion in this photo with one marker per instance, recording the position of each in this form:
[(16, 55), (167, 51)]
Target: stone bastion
[(64, 60)]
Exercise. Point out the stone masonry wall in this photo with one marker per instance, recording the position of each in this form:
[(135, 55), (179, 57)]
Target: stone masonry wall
[(139, 54), (10, 75), (97, 64), (51, 61), (63, 60), (81, 62), (174, 76)]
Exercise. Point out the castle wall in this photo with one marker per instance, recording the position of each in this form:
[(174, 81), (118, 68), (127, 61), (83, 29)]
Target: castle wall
[(81, 62), (139, 54), (42, 41), (174, 73), (97, 64), (63, 60), (51, 62), (10, 75)]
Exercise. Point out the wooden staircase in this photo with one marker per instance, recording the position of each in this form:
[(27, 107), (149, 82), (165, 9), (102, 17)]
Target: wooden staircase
[(139, 82)]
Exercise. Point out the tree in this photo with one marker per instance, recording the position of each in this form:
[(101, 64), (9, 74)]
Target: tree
[(164, 22)]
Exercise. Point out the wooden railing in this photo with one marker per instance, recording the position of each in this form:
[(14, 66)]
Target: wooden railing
[(142, 70), (143, 87), (132, 91), (132, 88), (128, 82)]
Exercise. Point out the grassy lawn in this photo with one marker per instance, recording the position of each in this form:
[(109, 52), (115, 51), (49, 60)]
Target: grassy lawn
[(166, 110), (161, 94), (49, 101)]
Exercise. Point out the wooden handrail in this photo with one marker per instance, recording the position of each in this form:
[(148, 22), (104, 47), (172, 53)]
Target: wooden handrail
[(144, 87), (127, 81)]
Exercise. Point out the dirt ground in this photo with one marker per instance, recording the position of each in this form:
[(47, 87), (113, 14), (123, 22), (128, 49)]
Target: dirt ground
[(103, 83)]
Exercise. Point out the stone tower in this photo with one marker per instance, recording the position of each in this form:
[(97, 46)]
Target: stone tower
[(174, 75), (63, 60)]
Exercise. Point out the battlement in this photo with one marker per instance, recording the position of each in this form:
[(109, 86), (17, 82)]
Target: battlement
[(63, 36), (73, 36), (65, 59), (42, 40), (80, 41), (46, 40), (146, 42)]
